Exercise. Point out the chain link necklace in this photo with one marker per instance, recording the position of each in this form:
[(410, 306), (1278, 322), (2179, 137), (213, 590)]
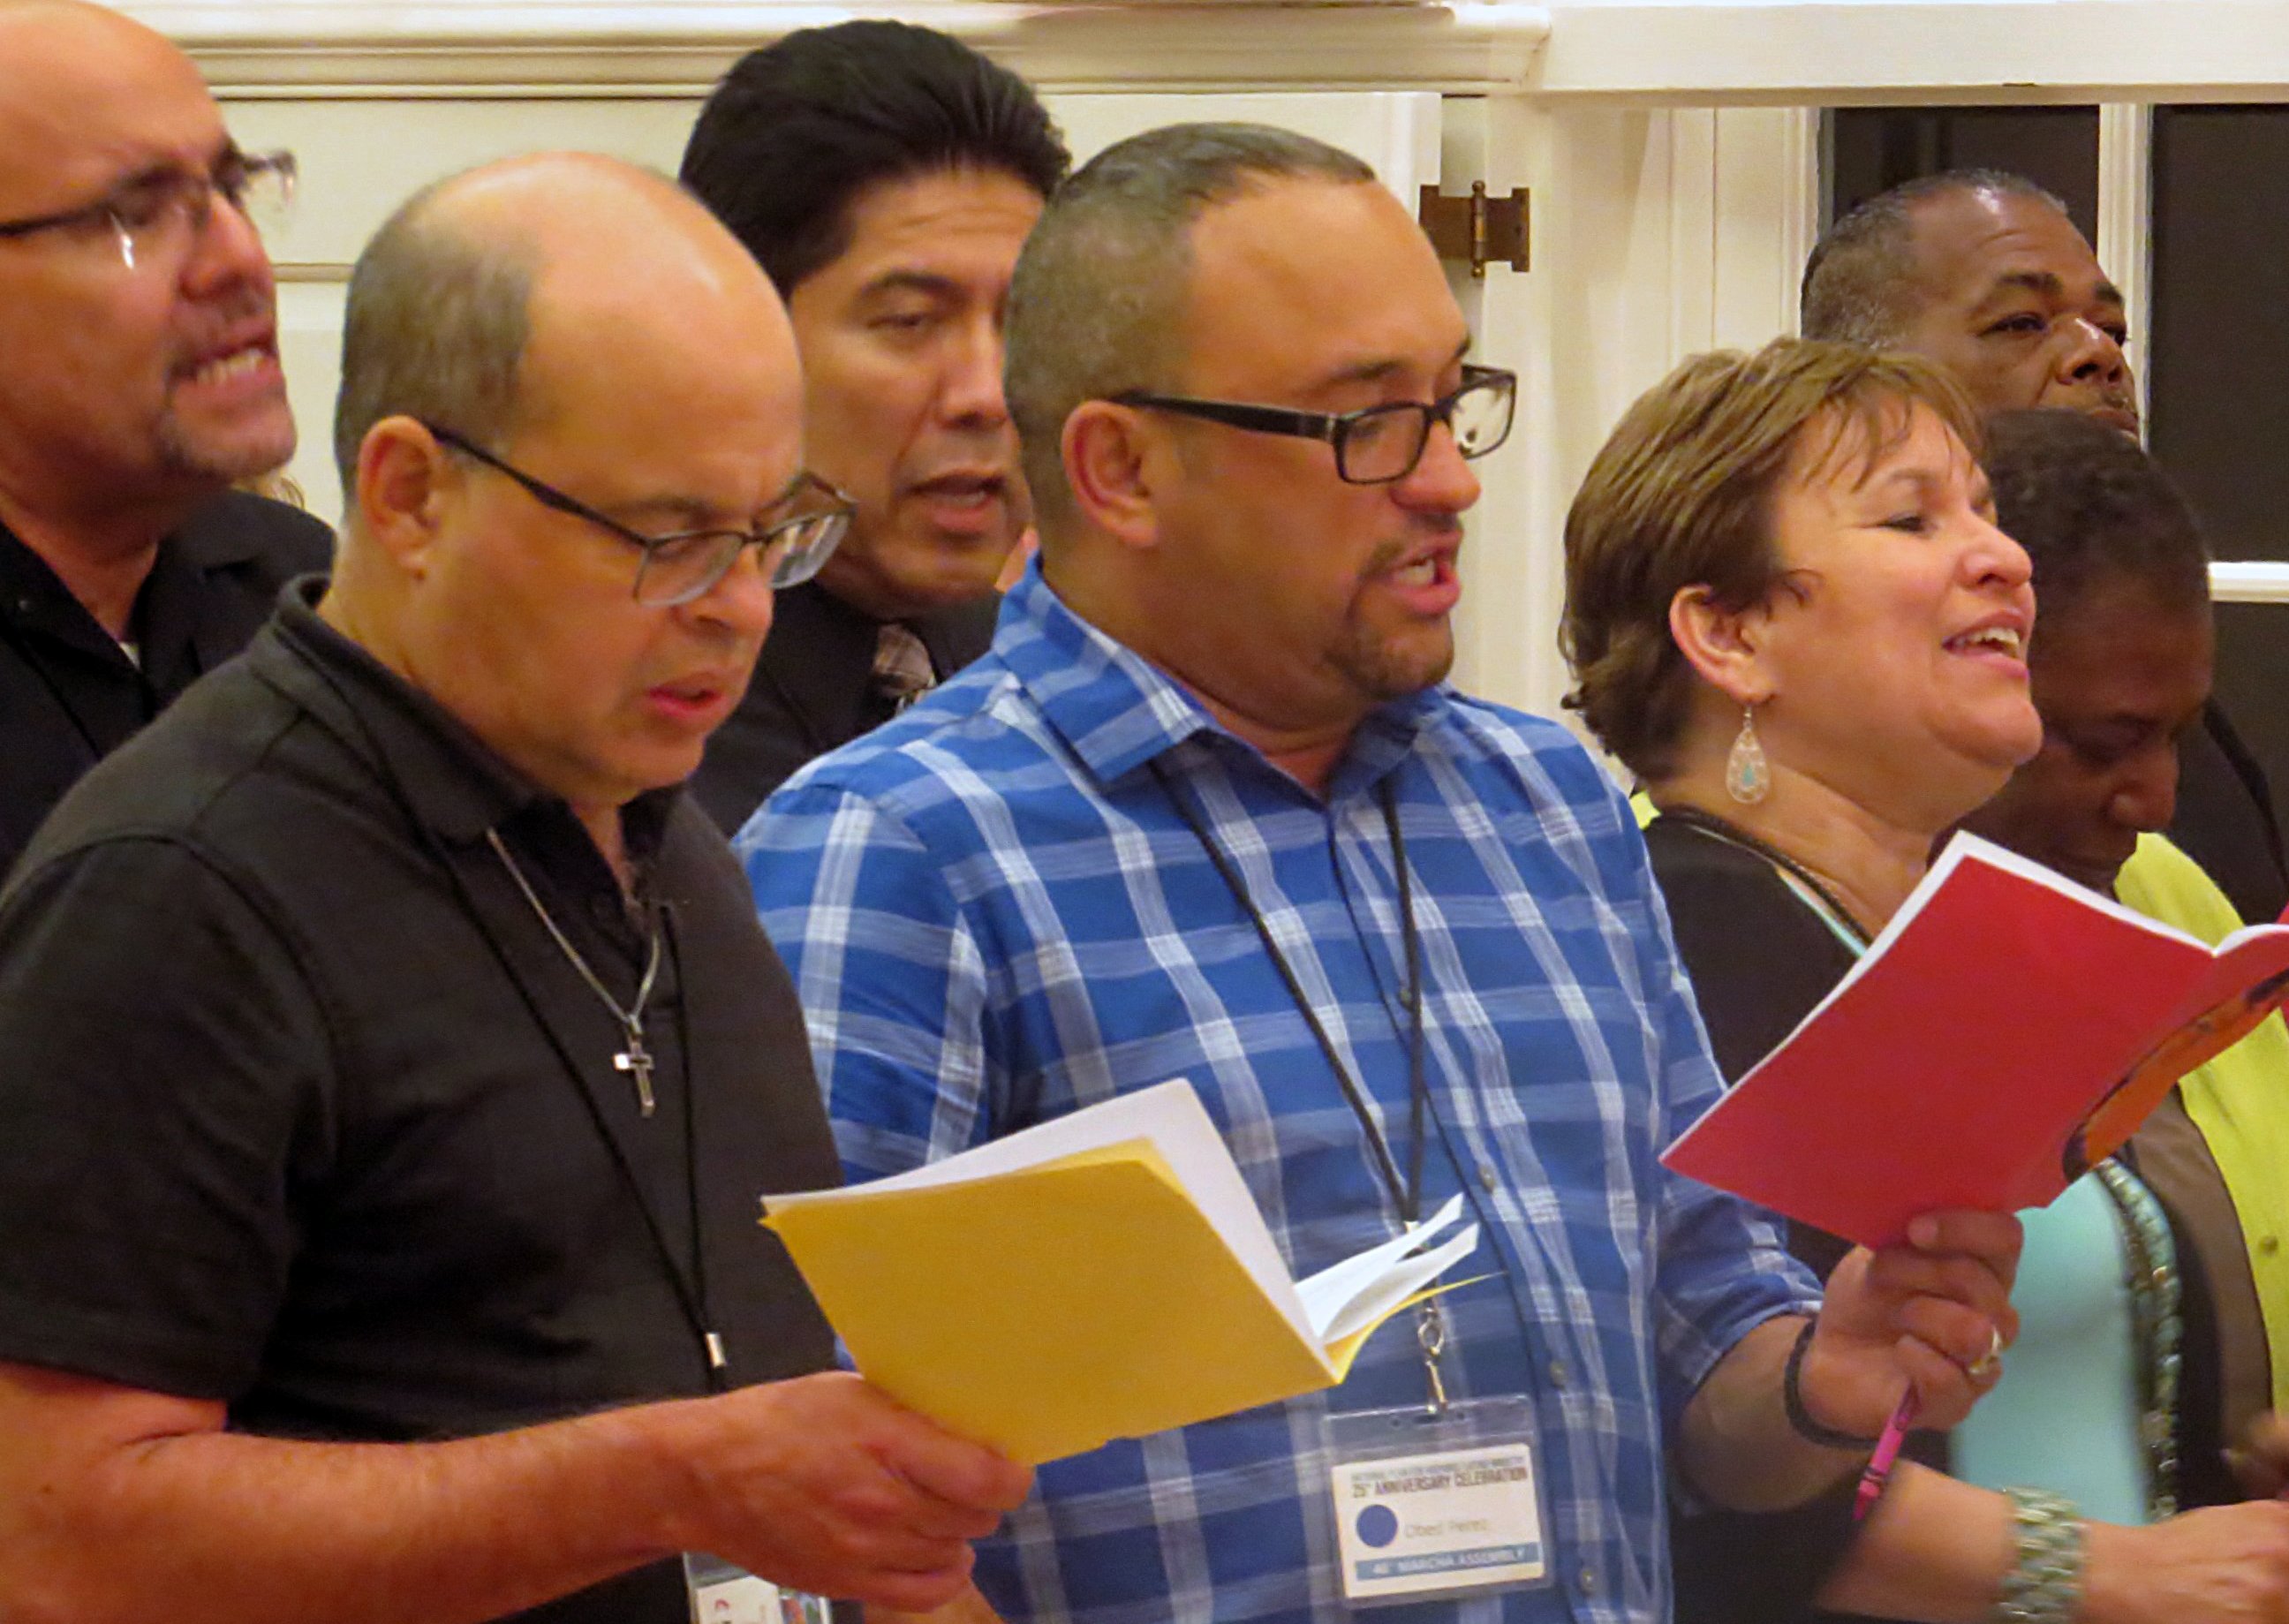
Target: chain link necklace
[(1817, 891), (635, 1059)]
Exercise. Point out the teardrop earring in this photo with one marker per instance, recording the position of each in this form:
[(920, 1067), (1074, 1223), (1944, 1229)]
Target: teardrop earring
[(1748, 776)]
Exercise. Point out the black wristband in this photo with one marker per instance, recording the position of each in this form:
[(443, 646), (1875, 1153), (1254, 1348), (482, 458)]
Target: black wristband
[(1793, 1401)]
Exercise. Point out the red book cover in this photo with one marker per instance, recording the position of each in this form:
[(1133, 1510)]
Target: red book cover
[(2007, 1029)]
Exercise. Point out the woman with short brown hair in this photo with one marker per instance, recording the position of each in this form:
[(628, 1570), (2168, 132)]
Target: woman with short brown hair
[(1791, 614)]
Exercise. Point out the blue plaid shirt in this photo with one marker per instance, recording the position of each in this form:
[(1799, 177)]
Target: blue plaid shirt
[(995, 915)]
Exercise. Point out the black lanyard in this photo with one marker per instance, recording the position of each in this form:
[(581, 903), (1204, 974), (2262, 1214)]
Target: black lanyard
[(1408, 1194), (691, 1287), (1825, 900)]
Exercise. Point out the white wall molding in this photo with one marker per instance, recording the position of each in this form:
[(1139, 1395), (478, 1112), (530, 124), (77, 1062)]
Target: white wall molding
[(2125, 237), (551, 48), (2257, 581), (1775, 52)]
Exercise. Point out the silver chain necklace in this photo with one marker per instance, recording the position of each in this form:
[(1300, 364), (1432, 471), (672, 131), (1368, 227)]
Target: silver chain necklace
[(635, 1059)]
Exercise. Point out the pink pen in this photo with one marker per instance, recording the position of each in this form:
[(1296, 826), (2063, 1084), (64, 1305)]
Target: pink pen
[(1887, 1450)]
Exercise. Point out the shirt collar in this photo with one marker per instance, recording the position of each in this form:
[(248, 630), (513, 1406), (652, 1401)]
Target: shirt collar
[(34, 597), (818, 656), (174, 640), (1119, 712), (449, 779)]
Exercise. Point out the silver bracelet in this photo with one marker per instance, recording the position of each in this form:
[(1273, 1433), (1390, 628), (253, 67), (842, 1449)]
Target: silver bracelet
[(2044, 1583)]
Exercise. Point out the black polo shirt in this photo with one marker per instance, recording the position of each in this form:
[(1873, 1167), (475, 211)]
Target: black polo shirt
[(70, 695), (304, 1111)]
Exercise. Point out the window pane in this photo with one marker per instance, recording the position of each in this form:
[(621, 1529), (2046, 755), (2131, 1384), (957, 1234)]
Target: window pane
[(2220, 321), (1872, 150), (2219, 392)]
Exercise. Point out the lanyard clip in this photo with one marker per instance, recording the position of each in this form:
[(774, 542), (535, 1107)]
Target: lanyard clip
[(1431, 1337)]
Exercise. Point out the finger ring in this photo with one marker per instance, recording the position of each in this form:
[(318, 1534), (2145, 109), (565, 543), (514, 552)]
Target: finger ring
[(1986, 1363)]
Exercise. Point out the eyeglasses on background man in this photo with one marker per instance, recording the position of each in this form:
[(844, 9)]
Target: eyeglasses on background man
[(151, 218)]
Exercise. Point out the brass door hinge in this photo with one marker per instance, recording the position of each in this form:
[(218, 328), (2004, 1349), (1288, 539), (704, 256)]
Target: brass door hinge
[(1479, 228)]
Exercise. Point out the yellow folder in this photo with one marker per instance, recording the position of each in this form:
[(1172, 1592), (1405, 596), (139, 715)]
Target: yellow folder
[(1103, 1276)]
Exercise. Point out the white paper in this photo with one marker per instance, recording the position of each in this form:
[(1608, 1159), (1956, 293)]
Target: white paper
[(1329, 1294), (1402, 1282)]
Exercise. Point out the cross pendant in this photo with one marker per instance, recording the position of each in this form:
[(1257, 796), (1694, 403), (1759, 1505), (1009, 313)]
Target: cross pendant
[(636, 1061)]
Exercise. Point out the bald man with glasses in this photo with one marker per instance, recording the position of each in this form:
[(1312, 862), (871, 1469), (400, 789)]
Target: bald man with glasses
[(393, 1058), (139, 382)]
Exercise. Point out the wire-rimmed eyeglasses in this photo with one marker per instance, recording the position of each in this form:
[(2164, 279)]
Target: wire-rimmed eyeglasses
[(1379, 444), (152, 215), (677, 567)]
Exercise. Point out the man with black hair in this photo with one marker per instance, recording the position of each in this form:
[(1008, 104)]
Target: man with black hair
[(139, 381), (1982, 271), (885, 175)]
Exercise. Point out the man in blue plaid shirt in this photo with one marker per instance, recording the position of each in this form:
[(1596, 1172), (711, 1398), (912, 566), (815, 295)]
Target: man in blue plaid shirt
[(1206, 811)]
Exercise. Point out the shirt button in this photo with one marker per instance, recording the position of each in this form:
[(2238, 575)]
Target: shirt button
[(1557, 1373), (2268, 1245), (1486, 1179), (1588, 1582)]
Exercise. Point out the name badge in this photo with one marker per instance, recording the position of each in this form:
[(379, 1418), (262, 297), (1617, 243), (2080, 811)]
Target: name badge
[(1441, 1505), (722, 1593)]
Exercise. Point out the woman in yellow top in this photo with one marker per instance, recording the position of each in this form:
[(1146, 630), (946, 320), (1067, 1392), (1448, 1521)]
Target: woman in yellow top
[(2121, 669)]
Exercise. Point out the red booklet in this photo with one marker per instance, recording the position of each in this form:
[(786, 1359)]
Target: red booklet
[(2007, 1029)]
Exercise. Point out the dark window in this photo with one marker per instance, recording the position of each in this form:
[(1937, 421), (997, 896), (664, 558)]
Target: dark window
[(2218, 391), (1870, 150)]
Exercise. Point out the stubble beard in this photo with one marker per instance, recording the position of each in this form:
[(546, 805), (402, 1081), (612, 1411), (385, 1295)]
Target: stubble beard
[(218, 459), (1384, 666)]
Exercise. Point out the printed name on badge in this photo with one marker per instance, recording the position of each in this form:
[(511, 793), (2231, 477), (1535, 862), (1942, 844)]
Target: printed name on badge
[(1412, 1525)]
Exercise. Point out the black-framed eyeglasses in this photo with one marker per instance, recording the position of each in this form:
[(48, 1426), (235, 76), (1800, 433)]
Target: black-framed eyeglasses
[(677, 567), (1379, 444), (151, 215)]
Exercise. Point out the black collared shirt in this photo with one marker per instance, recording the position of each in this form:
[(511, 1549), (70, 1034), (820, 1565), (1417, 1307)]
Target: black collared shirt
[(305, 1111), (811, 692), (70, 695)]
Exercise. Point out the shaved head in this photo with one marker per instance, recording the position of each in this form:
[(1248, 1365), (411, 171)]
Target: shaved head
[(1983, 272), (30, 22), (1864, 283), (441, 305), (551, 366)]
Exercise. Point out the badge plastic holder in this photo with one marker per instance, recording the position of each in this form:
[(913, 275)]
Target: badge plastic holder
[(722, 1593), (1437, 1503)]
